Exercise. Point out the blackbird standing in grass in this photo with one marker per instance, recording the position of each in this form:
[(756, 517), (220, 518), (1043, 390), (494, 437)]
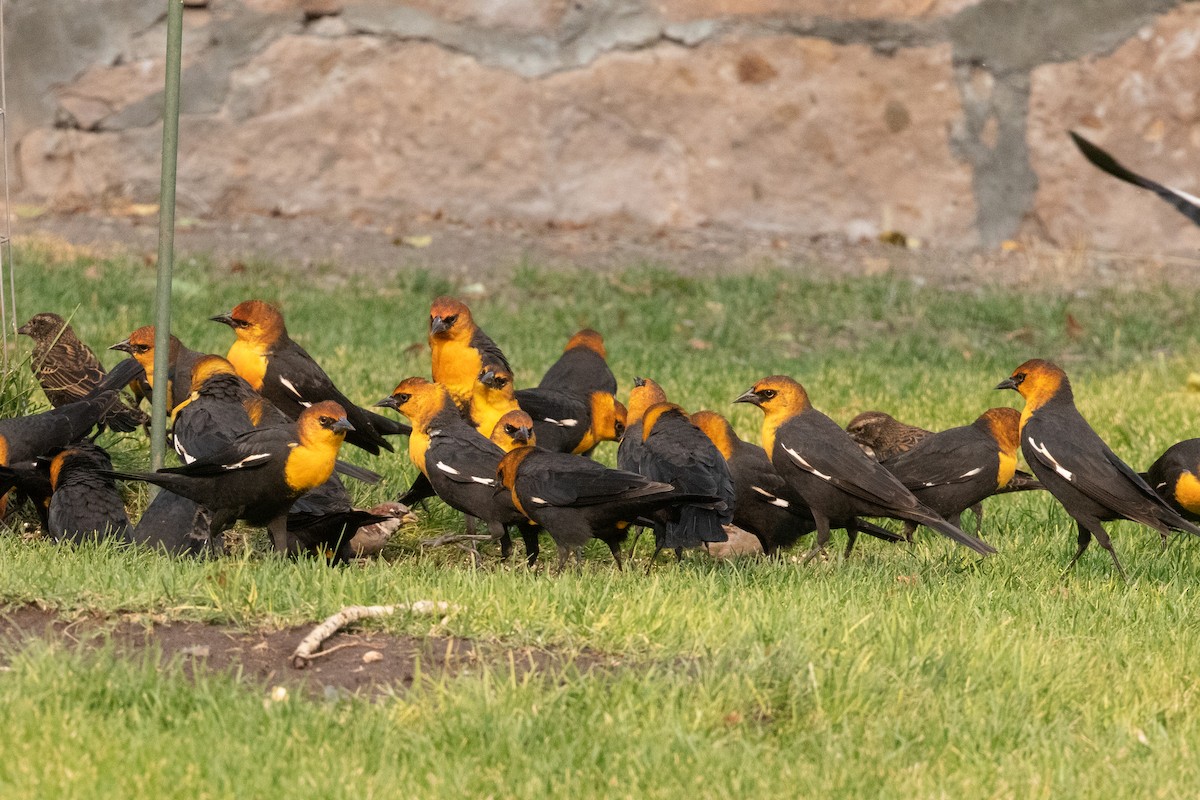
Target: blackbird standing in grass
[(460, 350), (837, 480), (68, 369), (766, 506), (573, 423), (180, 361), (582, 368), (284, 373), (1175, 475), (259, 475), (492, 396), (84, 503), (1077, 467), (576, 499), (662, 444), (955, 469), (458, 461)]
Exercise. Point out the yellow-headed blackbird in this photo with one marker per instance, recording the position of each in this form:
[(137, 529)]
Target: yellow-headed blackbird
[(180, 360), (261, 473), (1181, 201), (26, 438), (1175, 475), (662, 444), (835, 477), (492, 396), (582, 368), (459, 462), (68, 369), (515, 429), (85, 503), (460, 350), (576, 499), (281, 371), (953, 470), (766, 506), (571, 423), (1077, 467)]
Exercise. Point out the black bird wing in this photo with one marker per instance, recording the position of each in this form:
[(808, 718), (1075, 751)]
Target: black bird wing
[(489, 351), (687, 459), (581, 371), (251, 450), (560, 419), (565, 480), (956, 455), (205, 426), (1184, 203)]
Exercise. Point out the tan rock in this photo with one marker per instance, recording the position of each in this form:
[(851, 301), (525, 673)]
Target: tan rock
[(517, 14), (686, 10), (1142, 104), (103, 91)]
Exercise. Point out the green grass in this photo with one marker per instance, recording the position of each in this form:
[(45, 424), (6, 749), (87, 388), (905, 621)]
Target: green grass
[(899, 673)]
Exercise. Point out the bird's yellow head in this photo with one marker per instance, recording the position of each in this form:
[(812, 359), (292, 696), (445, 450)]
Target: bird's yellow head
[(449, 318), (777, 395), (254, 321), (1037, 381), (645, 393), (717, 429), (1004, 424), (208, 366), (589, 340), (513, 430), (323, 423), (140, 345), (418, 399), (608, 417)]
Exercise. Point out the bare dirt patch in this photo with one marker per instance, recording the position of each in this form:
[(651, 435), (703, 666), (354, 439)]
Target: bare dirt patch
[(367, 662)]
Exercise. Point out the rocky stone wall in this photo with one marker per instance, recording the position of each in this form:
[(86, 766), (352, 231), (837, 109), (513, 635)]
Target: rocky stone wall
[(944, 119)]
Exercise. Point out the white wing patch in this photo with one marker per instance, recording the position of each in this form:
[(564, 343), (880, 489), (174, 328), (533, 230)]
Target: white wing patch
[(247, 461), (562, 423), (484, 481), (800, 460), (1059, 468), (291, 387), (446, 468), (539, 500), (772, 499), (969, 473), (187, 457)]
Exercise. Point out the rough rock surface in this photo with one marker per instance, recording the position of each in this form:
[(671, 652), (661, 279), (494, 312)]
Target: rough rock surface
[(943, 119)]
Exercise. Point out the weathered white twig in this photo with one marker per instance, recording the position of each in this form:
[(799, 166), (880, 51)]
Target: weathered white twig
[(306, 651)]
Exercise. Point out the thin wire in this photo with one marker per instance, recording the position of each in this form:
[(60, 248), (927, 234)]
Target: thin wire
[(6, 262)]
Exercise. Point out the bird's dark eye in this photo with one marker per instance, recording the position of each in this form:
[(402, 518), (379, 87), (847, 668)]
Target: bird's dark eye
[(1019, 378), (619, 429), (141, 348), (767, 394), (326, 422), (511, 430), (403, 398), (450, 320), (501, 383)]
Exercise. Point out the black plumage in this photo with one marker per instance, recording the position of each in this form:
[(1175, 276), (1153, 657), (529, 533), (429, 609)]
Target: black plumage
[(85, 503)]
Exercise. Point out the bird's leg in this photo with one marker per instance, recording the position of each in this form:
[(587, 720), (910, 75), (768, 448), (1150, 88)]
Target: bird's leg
[(529, 535), (909, 529), (679, 555), (851, 538), (822, 537), (977, 510), (284, 542), (472, 525), (1105, 542), (1085, 538), (633, 546), (653, 558), (217, 524)]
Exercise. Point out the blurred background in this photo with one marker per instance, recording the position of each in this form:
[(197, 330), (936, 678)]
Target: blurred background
[(940, 122)]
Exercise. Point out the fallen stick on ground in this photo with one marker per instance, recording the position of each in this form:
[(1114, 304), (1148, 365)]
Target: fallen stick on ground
[(307, 650)]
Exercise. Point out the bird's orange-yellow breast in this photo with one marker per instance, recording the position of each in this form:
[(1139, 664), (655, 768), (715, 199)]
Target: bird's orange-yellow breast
[(418, 444), (1008, 468), (1187, 492), (309, 466), (250, 361), (456, 366), (3, 451)]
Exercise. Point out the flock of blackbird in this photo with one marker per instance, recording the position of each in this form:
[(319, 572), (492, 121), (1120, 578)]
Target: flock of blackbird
[(259, 432)]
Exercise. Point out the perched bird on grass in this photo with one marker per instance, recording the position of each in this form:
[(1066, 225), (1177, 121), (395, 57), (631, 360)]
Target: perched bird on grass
[(573, 423), (662, 444), (1077, 467), (952, 470), (766, 506), (1175, 475), (582, 368), (180, 360), (261, 473), (837, 480), (85, 503), (459, 462), (284, 373), (68, 370), (492, 396), (576, 499), (460, 349)]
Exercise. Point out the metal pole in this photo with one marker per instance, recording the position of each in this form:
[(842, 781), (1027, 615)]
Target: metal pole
[(166, 235)]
